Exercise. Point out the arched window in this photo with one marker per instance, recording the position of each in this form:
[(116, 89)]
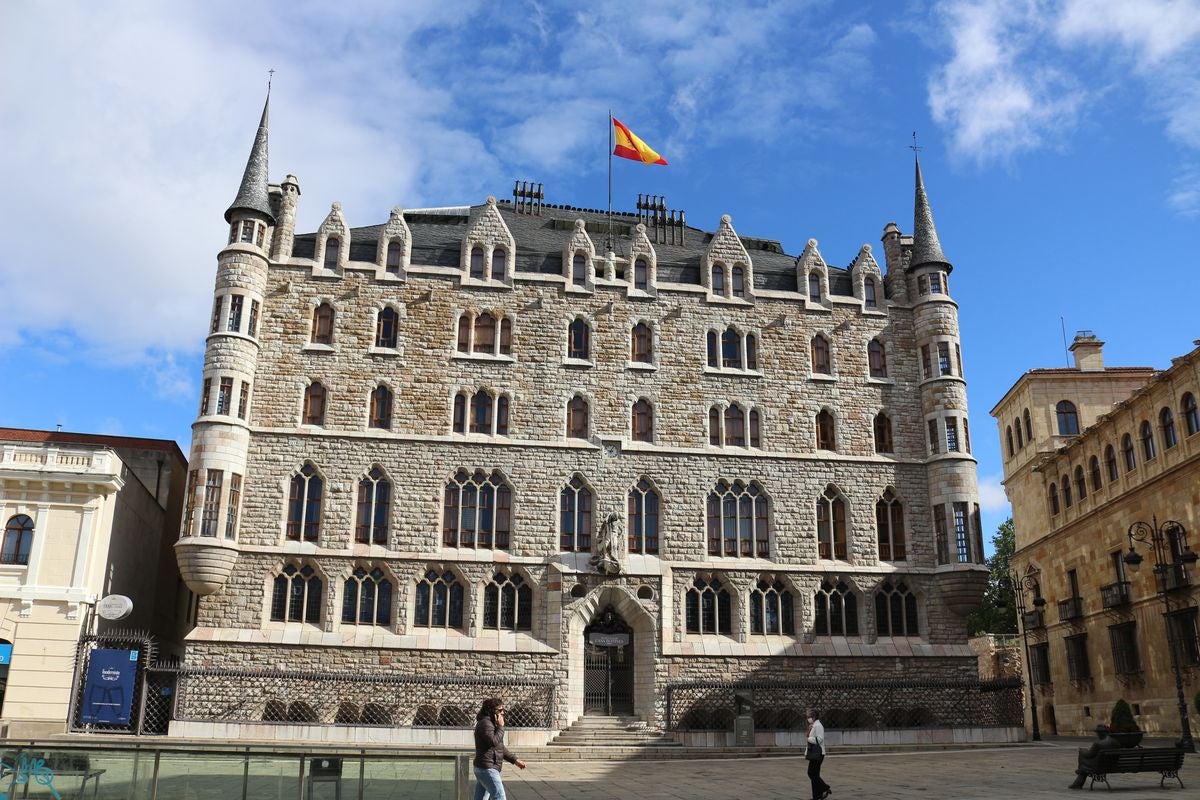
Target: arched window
[(304, 505), (439, 601), (314, 404), (322, 324), (707, 607), (333, 250), (460, 413), (386, 328), (499, 264), (296, 596), (737, 520), (1068, 419), (831, 524), (755, 428), (641, 344), (577, 418), (575, 516), (643, 518), (738, 281), (374, 508), (1080, 484), (505, 337), (1020, 438), (1094, 470), (751, 351), (477, 511), (820, 356), (502, 415), (464, 333), (579, 270), (735, 426), (507, 603), (643, 421), (381, 408), (1166, 422), (826, 439), (1110, 463), (394, 253), (1128, 452), (1149, 449), (641, 275), (714, 427), (895, 610), (478, 264), (1054, 509), (837, 610), (1028, 425), (1068, 500), (578, 340), (18, 540), (814, 286), (876, 359), (481, 412), (367, 598), (485, 333), (1008, 435), (883, 433), (731, 349), (1191, 416), (889, 524), (713, 350), (771, 609), (718, 279), (869, 293)]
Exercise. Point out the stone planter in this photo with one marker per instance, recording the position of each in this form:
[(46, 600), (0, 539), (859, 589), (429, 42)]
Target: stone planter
[(1129, 738)]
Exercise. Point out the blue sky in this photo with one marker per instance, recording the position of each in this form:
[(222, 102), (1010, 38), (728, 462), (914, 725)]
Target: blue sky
[(1061, 154)]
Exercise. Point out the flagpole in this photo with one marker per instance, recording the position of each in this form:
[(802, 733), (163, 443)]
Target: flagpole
[(610, 151)]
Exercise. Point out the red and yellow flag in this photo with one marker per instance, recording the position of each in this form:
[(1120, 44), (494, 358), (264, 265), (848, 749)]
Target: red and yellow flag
[(628, 145)]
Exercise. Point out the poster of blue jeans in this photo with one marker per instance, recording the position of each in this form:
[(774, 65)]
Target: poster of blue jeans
[(108, 690)]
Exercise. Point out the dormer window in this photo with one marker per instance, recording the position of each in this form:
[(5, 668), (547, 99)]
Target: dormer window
[(869, 293), (579, 270), (738, 279), (499, 264), (641, 275), (718, 279), (814, 287), (394, 252), (333, 247), (477, 263)]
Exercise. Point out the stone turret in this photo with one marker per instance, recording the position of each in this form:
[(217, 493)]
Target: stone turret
[(207, 548)]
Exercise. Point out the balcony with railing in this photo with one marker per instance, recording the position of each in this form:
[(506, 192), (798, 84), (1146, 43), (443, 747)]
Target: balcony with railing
[(1115, 595), (1069, 609), (1033, 620), (1172, 577)]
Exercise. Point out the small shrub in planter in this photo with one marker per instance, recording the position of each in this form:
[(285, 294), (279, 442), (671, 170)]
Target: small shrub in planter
[(1122, 725)]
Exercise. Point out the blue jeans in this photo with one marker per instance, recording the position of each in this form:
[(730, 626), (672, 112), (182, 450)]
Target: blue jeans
[(488, 784)]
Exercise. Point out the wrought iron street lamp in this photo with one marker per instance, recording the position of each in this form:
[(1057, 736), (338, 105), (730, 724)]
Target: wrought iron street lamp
[(1168, 543), (1021, 583)]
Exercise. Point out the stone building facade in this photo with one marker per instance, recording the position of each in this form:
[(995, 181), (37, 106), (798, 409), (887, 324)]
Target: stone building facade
[(519, 441), (1089, 451)]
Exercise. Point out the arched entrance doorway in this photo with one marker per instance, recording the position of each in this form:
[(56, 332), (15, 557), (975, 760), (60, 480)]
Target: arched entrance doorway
[(608, 665)]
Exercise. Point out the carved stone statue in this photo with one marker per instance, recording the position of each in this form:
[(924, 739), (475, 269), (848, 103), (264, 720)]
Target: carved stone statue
[(607, 558)]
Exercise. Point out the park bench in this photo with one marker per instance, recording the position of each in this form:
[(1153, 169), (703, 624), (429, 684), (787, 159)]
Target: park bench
[(1166, 761)]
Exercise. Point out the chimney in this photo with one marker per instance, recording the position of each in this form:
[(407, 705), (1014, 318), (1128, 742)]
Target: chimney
[(1088, 351)]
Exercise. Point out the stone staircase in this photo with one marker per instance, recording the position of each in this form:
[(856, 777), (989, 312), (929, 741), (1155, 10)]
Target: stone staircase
[(603, 731)]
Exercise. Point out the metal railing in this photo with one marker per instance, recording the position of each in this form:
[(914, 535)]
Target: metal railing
[(1034, 619), (1071, 608), (1115, 595), (1174, 576)]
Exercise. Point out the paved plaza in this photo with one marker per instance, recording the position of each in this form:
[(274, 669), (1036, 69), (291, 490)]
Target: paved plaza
[(1034, 771)]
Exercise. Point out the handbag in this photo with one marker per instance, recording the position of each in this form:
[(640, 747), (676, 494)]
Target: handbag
[(812, 752)]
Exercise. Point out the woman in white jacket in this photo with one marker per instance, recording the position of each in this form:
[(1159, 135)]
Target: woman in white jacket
[(815, 753)]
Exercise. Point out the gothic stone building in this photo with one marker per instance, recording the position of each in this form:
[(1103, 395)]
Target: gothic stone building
[(433, 453)]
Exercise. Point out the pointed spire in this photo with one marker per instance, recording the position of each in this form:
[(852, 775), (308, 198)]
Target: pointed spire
[(252, 194), (926, 247)]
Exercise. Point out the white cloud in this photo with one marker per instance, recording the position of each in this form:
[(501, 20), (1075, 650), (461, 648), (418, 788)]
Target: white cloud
[(1184, 194), (992, 498)]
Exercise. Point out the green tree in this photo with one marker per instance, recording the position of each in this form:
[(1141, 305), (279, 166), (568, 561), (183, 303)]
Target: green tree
[(998, 611)]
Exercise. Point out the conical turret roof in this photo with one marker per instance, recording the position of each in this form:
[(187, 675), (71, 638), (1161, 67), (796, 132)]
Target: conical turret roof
[(926, 247), (252, 194)]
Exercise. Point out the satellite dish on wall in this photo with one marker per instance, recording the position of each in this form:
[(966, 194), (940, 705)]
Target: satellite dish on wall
[(114, 607)]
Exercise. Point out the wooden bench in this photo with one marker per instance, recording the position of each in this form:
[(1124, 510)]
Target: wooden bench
[(1166, 761)]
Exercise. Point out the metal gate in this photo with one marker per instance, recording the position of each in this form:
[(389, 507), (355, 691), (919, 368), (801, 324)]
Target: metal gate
[(608, 679)]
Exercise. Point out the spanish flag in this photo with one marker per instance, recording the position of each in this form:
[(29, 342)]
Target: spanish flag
[(628, 145)]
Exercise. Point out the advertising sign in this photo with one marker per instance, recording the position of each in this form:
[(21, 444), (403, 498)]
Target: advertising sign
[(5, 654), (108, 690)]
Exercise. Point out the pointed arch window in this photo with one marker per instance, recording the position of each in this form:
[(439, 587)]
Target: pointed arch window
[(577, 418), (499, 264), (831, 524), (737, 280), (1149, 449), (439, 601), (374, 508), (643, 518), (1166, 422), (771, 609), (314, 404), (575, 516), (464, 333), (836, 610), (579, 340), (386, 328), (477, 511), (367, 598), (1008, 435), (718, 279), (333, 251), (485, 333), (714, 426), (735, 426), (395, 252), (1110, 463), (826, 433), (1068, 418), (1054, 509), (322, 324), (488, 413), (481, 412), (1080, 484), (1191, 415), (1020, 438), (738, 515), (820, 356), (304, 505), (460, 413), (755, 425), (579, 269), (877, 359), (478, 264), (18, 540), (814, 287), (641, 344), (296, 595), (1094, 471), (1128, 452), (731, 350), (1068, 499), (708, 608), (883, 433), (507, 603), (1028, 425), (643, 421), (896, 610), (869, 300), (889, 525), (641, 275), (713, 350), (751, 351), (381, 408)]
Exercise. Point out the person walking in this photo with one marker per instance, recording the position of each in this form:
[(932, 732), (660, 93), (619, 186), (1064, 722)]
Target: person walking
[(490, 752), (815, 753)]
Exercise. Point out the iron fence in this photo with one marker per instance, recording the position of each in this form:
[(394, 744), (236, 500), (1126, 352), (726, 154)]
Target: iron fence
[(712, 706), (145, 654)]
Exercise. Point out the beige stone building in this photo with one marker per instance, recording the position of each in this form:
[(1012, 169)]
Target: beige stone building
[(577, 461), (85, 516), (1089, 451)]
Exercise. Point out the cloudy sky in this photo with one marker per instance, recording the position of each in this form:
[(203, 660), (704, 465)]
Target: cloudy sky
[(1061, 153)]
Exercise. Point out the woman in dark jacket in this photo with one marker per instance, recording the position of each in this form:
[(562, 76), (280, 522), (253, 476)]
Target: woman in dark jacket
[(490, 752)]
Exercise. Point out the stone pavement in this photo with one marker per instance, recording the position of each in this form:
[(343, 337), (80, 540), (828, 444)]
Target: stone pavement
[(1038, 770)]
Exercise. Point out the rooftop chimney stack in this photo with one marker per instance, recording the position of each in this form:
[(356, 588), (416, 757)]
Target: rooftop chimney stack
[(1088, 352)]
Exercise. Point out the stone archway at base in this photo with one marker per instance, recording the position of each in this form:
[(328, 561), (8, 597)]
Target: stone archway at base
[(644, 638)]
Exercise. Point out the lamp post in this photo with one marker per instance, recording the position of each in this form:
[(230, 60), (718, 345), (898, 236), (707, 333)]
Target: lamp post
[(1020, 583), (1169, 546)]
